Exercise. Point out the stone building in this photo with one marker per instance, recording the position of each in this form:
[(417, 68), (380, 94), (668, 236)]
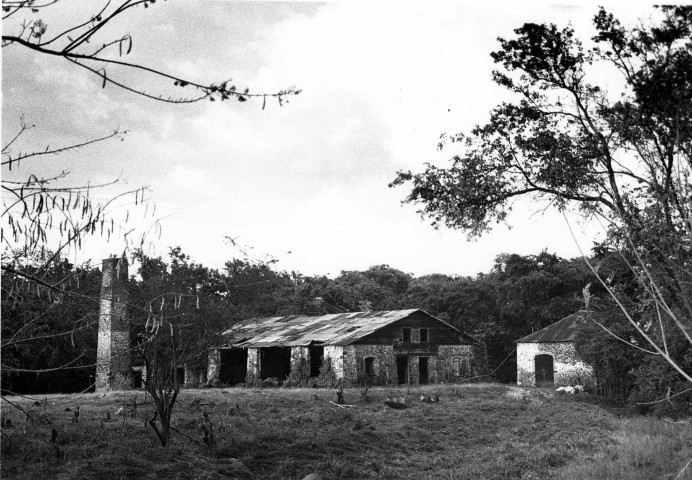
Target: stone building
[(548, 357), (380, 347)]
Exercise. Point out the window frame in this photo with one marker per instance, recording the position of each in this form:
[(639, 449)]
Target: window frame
[(427, 335)]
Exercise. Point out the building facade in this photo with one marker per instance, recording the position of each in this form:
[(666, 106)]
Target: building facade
[(548, 357), (383, 348)]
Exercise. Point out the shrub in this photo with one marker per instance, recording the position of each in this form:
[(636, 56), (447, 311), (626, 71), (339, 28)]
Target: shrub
[(327, 377), (299, 376)]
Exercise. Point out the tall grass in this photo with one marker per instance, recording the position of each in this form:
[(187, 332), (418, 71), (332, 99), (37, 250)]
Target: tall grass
[(475, 432), (643, 448)]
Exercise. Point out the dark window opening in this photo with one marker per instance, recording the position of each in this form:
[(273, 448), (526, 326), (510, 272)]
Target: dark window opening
[(423, 335), (137, 374), (180, 375), (233, 366), (406, 335), (423, 370), (370, 367), (275, 362), (316, 359)]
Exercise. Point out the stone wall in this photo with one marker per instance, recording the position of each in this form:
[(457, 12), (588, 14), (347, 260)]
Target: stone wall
[(568, 368), (214, 367), (413, 362), (253, 363), (335, 353), (113, 356), (348, 363), (442, 368), (384, 365)]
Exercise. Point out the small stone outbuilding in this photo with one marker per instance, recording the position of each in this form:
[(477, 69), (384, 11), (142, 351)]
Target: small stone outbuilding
[(375, 347), (548, 357)]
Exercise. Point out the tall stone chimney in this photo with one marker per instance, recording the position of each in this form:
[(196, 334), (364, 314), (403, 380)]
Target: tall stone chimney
[(113, 370), (315, 307)]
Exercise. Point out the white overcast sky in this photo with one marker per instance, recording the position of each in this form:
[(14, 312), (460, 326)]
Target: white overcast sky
[(380, 82)]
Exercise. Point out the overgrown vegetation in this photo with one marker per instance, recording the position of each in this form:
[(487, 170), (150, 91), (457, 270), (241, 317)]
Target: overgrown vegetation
[(518, 296), (475, 431), (567, 139)]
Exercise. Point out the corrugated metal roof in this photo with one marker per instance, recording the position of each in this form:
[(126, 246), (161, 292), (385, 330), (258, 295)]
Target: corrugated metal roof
[(295, 330), (564, 330)]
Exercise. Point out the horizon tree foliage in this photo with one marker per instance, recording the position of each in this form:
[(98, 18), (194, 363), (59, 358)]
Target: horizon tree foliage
[(620, 153), (49, 342), (179, 307)]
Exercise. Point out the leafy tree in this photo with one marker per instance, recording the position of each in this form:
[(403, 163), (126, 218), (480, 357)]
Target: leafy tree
[(178, 311), (566, 140), (49, 340), (255, 289)]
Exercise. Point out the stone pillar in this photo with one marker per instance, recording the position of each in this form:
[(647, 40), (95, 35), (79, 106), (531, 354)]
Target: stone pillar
[(213, 367), (113, 362), (413, 363), (335, 353), (254, 367)]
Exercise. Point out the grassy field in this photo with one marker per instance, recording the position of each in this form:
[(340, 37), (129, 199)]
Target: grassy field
[(474, 432)]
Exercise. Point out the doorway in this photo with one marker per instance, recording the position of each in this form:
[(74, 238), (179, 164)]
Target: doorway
[(545, 374), (233, 366), (423, 370), (275, 362), (316, 358), (402, 369)]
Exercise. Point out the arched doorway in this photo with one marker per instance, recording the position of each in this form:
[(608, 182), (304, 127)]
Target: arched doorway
[(545, 374)]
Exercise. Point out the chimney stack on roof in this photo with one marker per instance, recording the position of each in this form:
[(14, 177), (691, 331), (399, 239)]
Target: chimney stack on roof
[(315, 307)]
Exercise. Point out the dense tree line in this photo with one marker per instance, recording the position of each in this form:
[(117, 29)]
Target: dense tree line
[(519, 295), (49, 341)]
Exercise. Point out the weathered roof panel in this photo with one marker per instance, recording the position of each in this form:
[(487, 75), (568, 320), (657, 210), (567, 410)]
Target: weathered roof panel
[(295, 330), (564, 330)]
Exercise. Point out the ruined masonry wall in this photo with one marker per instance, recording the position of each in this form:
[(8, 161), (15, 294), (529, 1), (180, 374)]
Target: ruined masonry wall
[(214, 366), (336, 354), (413, 362), (253, 362), (569, 369), (441, 367), (384, 365)]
